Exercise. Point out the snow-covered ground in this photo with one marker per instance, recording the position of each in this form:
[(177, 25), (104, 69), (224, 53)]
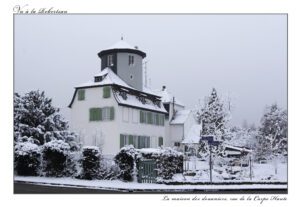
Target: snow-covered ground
[(120, 185), (260, 173)]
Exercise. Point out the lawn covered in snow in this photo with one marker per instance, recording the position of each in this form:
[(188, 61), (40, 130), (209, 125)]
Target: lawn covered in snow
[(198, 171)]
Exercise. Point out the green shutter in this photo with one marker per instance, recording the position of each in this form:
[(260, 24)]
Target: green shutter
[(106, 92), (112, 113), (140, 142), (141, 117), (145, 117), (122, 140), (91, 114), (81, 95), (95, 114), (130, 139), (157, 119), (100, 117), (161, 119), (149, 117), (147, 142), (160, 141)]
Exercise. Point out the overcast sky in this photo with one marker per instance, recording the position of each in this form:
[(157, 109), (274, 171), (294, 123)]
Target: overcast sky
[(242, 56)]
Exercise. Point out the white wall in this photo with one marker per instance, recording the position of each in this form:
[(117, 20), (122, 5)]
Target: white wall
[(190, 121), (106, 134), (134, 127), (100, 133)]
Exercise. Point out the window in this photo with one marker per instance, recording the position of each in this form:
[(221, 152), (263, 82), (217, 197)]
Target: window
[(130, 60), (125, 113), (110, 60), (152, 118), (95, 114), (81, 95), (102, 114), (135, 116), (177, 144), (160, 141), (106, 92), (137, 141), (98, 79), (161, 119), (142, 117), (149, 118), (106, 113), (143, 142)]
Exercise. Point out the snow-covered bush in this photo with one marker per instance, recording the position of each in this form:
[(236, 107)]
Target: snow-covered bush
[(109, 170), (168, 161), (90, 162), (55, 157), (27, 158), (125, 160)]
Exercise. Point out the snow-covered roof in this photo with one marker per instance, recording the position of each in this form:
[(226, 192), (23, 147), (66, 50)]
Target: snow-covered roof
[(132, 100), (193, 136), (167, 97), (149, 91), (122, 44), (180, 117), (109, 77), (237, 148), (150, 150)]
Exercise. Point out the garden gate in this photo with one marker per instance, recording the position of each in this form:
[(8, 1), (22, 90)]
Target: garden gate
[(147, 171)]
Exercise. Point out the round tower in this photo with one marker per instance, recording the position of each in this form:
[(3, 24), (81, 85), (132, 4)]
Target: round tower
[(126, 61)]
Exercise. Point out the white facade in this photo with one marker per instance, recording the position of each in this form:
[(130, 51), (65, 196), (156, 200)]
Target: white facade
[(106, 133), (109, 113)]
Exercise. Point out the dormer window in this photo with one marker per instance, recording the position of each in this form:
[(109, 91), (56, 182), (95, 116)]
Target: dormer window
[(123, 95), (130, 60), (110, 60), (98, 79)]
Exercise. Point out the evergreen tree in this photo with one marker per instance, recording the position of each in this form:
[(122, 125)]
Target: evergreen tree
[(214, 117), (37, 119), (272, 135)]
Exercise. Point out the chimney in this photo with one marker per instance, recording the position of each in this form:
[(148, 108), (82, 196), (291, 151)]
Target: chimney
[(136, 47), (163, 88)]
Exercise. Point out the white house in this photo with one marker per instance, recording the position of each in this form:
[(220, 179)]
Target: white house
[(115, 109)]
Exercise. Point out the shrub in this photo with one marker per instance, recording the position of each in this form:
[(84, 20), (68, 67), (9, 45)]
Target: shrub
[(109, 170), (90, 163), (168, 161), (125, 160), (27, 158), (55, 157)]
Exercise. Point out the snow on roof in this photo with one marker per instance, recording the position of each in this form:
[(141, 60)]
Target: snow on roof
[(109, 77), (132, 100), (150, 150), (121, 45), (149, 91), (167, 97), (237, 148), (180, 117), (193, 136)]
